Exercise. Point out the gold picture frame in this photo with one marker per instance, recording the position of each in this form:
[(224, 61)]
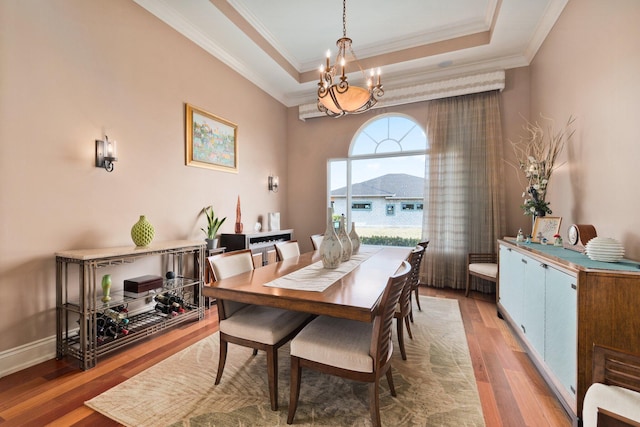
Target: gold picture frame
[(211, 141), (546, 226)]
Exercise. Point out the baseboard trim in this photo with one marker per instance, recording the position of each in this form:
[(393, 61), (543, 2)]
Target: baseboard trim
[(27, 355)]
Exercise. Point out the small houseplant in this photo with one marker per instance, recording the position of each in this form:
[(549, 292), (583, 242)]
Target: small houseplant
[(213, 224)]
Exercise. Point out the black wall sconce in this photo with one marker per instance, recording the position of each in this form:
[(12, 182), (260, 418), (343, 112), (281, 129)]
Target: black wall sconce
[(274, 183), (105, 153)]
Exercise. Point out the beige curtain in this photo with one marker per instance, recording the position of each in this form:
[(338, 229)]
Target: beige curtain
[(464, 203)]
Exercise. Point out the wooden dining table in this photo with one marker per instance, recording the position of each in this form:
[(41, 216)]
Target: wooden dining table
[(354, 296)]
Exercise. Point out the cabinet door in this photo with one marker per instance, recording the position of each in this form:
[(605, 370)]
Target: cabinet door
[(511, 281), (533, 310), (561, 327)]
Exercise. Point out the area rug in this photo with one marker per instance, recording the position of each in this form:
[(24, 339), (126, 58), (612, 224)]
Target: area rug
[(435, 386)]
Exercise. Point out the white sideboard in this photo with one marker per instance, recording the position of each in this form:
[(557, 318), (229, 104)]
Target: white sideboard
[(560, 304)]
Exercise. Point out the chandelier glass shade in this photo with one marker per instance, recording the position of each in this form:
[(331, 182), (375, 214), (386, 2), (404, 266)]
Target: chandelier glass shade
[(336, 97)]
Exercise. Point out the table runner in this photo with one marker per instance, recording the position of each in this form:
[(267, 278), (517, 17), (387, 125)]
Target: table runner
[(315, 277)]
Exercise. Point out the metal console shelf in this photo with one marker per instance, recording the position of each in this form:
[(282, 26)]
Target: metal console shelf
[(79, 309)]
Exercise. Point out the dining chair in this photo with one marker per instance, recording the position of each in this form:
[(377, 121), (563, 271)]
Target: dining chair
[(403, 308), (254, 326), (359, 351), (316, 241), (271, 256), (288, 249), (257, 260), (416, 280), (483, 266)]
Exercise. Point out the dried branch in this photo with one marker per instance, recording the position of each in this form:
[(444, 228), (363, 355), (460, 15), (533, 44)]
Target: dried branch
[(536, 154)]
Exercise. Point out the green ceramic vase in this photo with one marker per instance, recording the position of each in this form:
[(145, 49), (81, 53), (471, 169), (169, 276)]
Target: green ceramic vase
[(142, 232), (106, 288)]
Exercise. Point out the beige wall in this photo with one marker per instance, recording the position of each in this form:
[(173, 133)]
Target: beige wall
[(72, 69), (588, 67)]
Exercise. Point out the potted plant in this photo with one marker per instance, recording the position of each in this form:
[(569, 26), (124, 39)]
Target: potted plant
[(213, 224)]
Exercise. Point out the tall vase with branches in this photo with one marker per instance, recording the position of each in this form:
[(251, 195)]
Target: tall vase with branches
[(536, 153)]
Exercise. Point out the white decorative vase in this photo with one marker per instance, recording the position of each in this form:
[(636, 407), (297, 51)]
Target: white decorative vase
[(331, 248), (347, 247), (355, 239)]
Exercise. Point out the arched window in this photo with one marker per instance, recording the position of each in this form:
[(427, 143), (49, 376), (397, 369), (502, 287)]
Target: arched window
[(380, 186)]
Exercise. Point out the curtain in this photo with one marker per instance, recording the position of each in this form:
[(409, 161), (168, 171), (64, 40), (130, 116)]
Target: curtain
[(464, 194)]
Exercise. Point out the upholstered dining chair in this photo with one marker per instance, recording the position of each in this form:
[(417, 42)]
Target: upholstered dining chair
[(482, 265), (288, 249), (416, 281), (257, 260), (254, 326), (403, 308), (271, 256), (316, 241), (350, 349)]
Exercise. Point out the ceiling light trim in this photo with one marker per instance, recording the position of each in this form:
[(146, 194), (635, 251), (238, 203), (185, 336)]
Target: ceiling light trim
[(445, 88)]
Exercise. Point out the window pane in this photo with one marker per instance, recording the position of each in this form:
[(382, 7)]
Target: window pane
[(338, 186), (391, 134), (385, 192), (388, 146), (388, 183)]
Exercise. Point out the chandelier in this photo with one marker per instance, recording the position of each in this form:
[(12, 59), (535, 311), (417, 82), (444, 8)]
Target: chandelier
[(337, 98)]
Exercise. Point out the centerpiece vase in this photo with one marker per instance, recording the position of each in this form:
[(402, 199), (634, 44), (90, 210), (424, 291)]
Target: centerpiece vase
[(347, 247), (331, 248), (355, 239)]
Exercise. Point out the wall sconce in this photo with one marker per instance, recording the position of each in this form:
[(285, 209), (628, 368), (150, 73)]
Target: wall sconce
[(274, 183), (105, 153)]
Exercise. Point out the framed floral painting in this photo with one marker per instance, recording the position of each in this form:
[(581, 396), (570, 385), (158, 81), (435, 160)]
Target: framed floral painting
[(545, 227), (211, 141)]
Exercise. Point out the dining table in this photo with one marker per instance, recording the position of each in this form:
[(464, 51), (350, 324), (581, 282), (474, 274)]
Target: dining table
[(301, 283)]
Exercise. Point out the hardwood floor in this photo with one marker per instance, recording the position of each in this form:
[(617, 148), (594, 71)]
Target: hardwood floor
[(511, 390)]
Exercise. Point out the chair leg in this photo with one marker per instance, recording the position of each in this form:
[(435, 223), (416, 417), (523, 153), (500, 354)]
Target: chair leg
[(406, 322), (294, 394), (466, 293), (401, 338), (392, 388), (418, 297), (272, 373), (374, 404), (410, 307), (221, 360)]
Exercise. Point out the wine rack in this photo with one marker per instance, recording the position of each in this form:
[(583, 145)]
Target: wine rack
[(82, 316)]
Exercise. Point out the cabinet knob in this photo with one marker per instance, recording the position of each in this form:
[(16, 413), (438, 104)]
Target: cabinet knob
[(523, 260), (543, 265)]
